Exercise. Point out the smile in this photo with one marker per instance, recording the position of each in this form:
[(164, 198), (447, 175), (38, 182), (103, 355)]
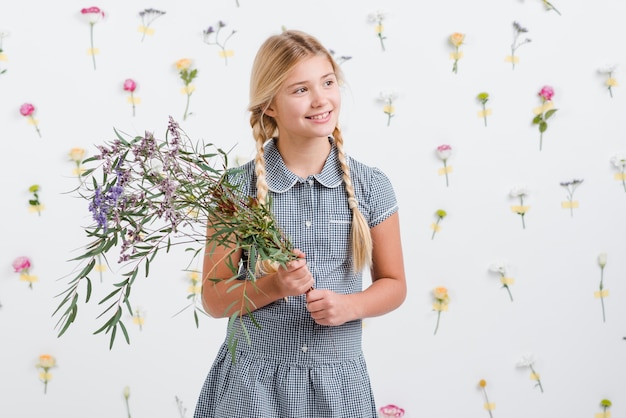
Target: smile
[(321, 116)]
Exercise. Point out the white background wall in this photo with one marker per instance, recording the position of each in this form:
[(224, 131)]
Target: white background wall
[(555, 315)]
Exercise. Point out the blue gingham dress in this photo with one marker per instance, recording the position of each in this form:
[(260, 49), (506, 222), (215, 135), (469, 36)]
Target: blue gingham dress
[(295, 368)]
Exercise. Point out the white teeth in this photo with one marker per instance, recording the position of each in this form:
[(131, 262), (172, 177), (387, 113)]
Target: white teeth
[(322, 116)]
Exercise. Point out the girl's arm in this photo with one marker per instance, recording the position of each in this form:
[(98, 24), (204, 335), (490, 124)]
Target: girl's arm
[(222, 297), (388, 288)]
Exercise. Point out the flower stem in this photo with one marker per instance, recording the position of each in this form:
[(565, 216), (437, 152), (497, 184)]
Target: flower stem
[(532, 369), (487, 402), (435, 229), (187, 106), (623, 179), (601, 295), (34, 122), (93, 51), (437, 325), (508, 289), (127, 407), (521, 199), (485, 114), (445, 169)]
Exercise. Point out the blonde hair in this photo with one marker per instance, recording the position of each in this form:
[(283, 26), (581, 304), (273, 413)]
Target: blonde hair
[(275, 59)]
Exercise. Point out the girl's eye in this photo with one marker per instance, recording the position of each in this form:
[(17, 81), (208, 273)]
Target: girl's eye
[(329, 83), (300, 90)]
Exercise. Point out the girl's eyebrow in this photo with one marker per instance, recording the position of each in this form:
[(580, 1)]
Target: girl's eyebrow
[(297, 83)]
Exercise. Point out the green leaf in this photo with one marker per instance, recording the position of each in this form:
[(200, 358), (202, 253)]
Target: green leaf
[(543, 126), (550, 113)]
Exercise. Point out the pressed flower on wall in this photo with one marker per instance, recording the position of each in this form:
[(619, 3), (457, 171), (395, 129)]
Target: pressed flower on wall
[(440, 213), (610, 81), (550, 6), (520, 192), (483, 98), (605, 404), (45, 363), (212, 35), (147, 17), (139, 318), (76, 155), (182, 410), (147, 195), (489, 406), (3, 55), (126, 394), (93, 16), (544, 112), (442, 300), (187, 74), (27, 110), (444, 152), (501, 268), (130, 86), (377, 19), (34, 205), (602, 292), (570, 187), (391, 411), (619, 162), (456, 39), (194, 291), (518, 30), (22, 265), (529, 361), (339, 59), (387, 98)]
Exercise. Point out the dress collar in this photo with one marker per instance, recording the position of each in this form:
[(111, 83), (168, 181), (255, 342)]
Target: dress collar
[(280, 179)]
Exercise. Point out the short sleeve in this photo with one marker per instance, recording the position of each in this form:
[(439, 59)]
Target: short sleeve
[(382, 198)]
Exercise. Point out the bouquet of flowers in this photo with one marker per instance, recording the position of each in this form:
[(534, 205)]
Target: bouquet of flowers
[(147, 195)]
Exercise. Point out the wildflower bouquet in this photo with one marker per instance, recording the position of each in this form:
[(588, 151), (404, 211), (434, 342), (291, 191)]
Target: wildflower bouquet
[(147, 195)]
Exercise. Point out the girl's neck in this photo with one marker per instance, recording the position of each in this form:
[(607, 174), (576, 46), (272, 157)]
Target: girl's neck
[(304, 158)]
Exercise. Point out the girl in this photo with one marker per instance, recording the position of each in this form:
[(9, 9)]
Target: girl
[(305, 357)]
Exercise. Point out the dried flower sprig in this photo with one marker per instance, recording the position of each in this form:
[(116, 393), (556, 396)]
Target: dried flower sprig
[(187, 74), (444, 152), (602, 292), (211, 37), (33, 203), (93, 16), (619, 162), (483, 98), (27, 110), (148, 195), (45, 363), (391, 411), (147, 17), (130, 86), (501, 268), (377, 19), (571, 186), (456, 39), (126, 394), (520, 192), (482, 384), (387, 98), (550, 6), (529, 361), (442, 300), (182, 411), (605, 404), (517, 42), (544, 112), (22, 265), (139, 317), (3, 56), (339, 59), (610, 82)]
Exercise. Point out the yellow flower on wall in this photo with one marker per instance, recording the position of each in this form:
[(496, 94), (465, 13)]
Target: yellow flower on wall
[(45, 363), (456, 39), (442, 299)]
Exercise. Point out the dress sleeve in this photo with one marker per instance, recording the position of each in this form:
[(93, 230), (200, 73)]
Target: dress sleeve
[(382, 198)]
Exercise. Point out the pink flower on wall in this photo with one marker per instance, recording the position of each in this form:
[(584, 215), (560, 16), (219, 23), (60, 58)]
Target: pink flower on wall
[(22, 265), (93, 15), (544, 112), (391, 411), (27, 110), (130, 86)]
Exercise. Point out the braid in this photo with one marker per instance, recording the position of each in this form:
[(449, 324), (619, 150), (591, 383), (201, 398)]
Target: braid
[(361, 239)]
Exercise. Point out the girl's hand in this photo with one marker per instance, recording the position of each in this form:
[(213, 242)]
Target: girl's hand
[(328, 308), (295, 279)]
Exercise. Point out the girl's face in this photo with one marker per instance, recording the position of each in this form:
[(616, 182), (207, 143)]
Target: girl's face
[(307, 105)]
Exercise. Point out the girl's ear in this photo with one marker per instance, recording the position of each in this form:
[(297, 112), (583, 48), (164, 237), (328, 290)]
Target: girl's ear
[(269, 110)]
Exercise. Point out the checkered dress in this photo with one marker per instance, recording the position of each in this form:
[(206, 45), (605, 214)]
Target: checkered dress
[(293, 367)]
